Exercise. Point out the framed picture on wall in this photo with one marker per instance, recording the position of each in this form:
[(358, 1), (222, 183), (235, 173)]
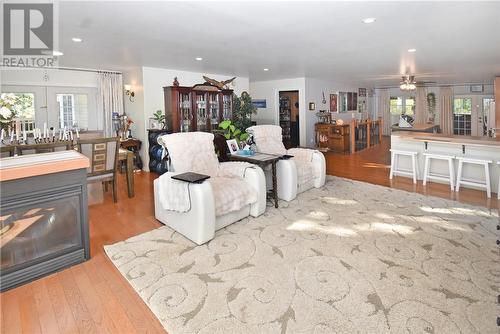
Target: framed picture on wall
[(333, 102)]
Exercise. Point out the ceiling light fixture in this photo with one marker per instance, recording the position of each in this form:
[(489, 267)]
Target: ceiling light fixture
[(77, 40), (266, 69), (369, 20), (198, 58), (412, 50), (408, 83), (52, 53)]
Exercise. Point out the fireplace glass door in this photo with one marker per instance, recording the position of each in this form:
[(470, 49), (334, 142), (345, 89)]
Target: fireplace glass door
[(38, 232)]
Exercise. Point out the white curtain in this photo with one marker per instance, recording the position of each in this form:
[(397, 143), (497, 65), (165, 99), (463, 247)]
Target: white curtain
[(110, 98), (383, 109), (421, 113), (446, 110)]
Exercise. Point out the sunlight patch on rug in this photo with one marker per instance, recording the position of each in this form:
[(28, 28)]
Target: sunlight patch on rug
[(349, 257)]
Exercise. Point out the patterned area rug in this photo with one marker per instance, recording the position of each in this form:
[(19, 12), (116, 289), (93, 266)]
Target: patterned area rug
[(350, 257)]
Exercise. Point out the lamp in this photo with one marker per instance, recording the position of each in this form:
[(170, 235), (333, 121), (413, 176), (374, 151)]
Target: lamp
[(408, 83), (129, 92)]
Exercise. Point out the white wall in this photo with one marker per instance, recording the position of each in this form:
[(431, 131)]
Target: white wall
[(148, 83), (310, 90), (48, 77), (314, 93)]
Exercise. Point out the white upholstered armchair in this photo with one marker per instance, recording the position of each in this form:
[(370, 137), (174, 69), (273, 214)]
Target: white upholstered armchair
[(234, 190), (305, 170)]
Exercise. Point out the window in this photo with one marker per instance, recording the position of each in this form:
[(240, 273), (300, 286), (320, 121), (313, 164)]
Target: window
[(462, 112), (25, 106), (402, 105), (73, 110)]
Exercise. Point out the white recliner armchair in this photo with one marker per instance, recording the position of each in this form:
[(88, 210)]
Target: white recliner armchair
[(307, 168), (234, 190)]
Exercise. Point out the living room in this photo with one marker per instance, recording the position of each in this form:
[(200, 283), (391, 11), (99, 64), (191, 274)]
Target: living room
[(250, 167)]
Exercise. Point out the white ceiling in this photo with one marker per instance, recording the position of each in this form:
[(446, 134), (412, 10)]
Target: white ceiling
[(456, 41)]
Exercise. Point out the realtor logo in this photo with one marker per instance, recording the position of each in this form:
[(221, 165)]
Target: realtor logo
[(28, 29)]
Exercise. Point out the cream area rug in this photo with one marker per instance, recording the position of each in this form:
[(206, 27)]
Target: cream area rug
[(350, 257)]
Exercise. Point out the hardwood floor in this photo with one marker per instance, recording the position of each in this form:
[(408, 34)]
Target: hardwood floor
[(94, 298), (91, 297), (373, 166)]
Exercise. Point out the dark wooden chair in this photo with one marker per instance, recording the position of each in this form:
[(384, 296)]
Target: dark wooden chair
[(103, 157)]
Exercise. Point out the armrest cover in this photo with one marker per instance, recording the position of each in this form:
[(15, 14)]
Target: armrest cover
[(256, 178), (286, 171), (197, 224), (235, 168)]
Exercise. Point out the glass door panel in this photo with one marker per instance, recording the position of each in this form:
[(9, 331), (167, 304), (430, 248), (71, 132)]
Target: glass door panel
[(27, 235), (213, 105), (201, 111), (487, 116), (227, 107), (462, 116), (186, 114)]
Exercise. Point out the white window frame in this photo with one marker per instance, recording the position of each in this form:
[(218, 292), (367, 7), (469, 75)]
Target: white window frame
[(62, 113)]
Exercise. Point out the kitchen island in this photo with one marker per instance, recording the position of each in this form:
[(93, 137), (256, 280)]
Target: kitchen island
[(458, 146)]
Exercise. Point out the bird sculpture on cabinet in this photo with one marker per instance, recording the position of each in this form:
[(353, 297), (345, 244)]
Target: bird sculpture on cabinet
[(219, 84)]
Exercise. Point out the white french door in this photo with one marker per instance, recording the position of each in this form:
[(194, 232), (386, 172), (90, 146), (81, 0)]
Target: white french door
[(472, 115), (61, 106)]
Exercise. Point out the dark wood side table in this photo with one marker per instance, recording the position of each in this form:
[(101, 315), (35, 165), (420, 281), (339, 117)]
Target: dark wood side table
[(134, 145), (262, 160)]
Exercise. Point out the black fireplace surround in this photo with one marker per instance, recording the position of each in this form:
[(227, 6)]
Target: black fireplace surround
[(43, 226)]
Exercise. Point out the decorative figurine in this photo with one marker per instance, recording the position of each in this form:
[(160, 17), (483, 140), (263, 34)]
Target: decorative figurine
[(219, 84)]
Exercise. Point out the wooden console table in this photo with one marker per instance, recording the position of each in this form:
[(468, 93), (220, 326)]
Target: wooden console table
[(331, 137), (350, 137)]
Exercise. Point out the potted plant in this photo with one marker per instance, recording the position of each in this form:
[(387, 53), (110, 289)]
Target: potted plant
[(159, 117)]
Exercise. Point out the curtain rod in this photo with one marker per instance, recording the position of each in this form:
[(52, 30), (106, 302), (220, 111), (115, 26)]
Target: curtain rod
[(442, 85), (83, 69)]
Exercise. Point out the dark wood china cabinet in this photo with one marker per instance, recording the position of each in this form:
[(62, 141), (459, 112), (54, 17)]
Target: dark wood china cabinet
[(198, 108)]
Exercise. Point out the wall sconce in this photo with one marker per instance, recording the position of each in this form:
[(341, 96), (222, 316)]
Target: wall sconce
[(129, 92)]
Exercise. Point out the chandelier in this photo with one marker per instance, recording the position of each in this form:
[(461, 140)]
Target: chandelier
[(408, 83)]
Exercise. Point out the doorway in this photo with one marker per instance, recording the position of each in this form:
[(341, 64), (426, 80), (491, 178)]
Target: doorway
[(473, 115), (289, 117)]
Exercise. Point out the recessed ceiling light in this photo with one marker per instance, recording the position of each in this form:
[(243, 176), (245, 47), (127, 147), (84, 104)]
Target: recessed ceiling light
[(77, 40), (198, 58), (412, 50), (266, 69), (369, 20), (52, 53)]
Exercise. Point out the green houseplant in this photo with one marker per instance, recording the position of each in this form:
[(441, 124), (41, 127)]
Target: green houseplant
[(242, 111), (230, 131), (159, 116)]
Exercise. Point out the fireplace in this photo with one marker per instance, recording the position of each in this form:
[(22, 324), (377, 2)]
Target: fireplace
[(43, 226)]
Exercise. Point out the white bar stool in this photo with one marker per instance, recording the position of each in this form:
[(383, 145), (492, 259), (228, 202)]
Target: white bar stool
[(435, 176), (474, 182), (395, 154)]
